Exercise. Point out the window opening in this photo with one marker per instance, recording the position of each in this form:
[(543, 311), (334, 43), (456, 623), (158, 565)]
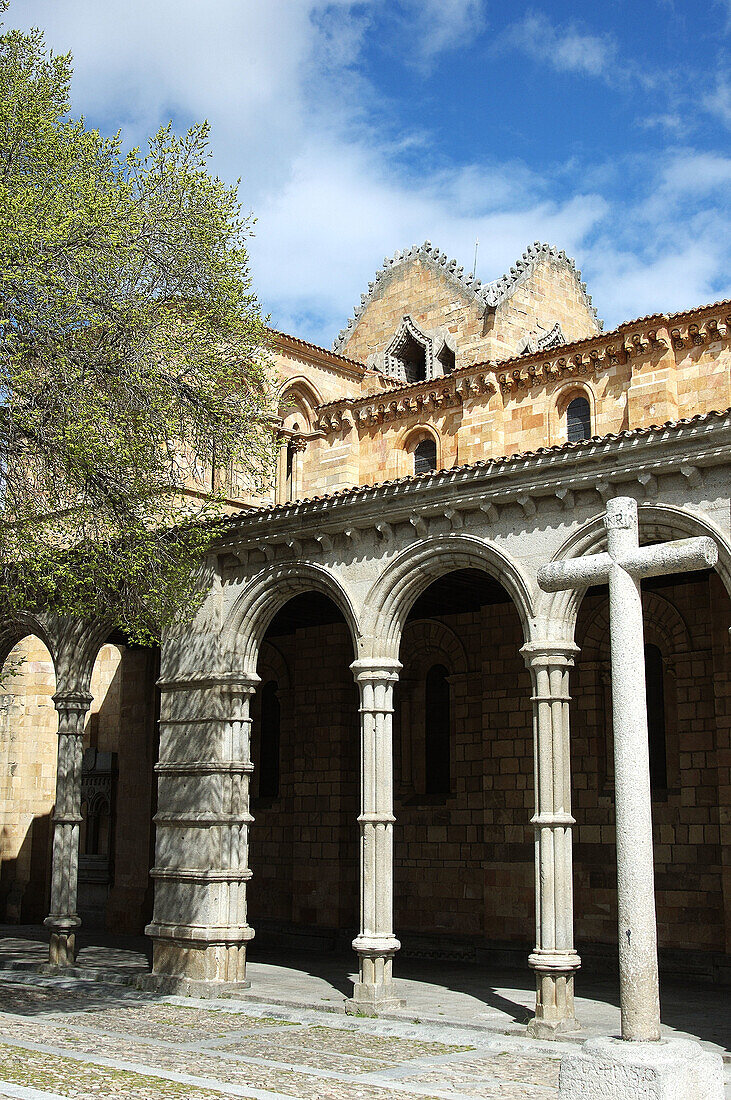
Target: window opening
[(290, 468), (437, 731), (578, 420), (413, 358), (655, 693), (425, 456), (269, 742)]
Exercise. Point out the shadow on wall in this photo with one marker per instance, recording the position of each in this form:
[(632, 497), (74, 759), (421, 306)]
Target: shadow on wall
[(25, 879)]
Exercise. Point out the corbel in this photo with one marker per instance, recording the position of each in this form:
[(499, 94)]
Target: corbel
[(712, 331), (604, 488), (453, 518), (295, 546), (695, 335), (566, 498), (648, 481), (490, 511), (419, 524), (267, 551), (325, 542), (677, 338), (527, 503), (692, 475), (353, 534), (385, 531)]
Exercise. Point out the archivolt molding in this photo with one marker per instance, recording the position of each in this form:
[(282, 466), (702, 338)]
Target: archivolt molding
[(72, 643), (659, 523), (271, 659), (664, 627), (427, 640), (251, 614), (391, 597)]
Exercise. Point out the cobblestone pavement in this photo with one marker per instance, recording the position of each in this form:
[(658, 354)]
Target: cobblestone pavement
[(82, 1040)]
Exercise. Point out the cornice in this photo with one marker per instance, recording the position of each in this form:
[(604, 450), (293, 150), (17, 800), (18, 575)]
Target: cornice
[(600, 465), (323, 357)]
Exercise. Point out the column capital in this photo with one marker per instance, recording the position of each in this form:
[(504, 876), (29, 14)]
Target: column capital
[(383, 669), (549, 653), (73, 701)]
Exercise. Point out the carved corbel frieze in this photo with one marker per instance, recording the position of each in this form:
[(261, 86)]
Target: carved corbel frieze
[(567, 499), (656, 342), (695, 335), (677, 338)]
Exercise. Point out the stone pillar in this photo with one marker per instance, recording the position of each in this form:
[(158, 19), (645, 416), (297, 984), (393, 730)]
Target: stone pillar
[(200, 927), (63, 920), (554, 960), (281, 482), (299, 445), (375, 943)]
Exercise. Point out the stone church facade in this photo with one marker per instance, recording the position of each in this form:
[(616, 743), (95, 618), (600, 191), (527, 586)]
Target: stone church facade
[(379, 729)]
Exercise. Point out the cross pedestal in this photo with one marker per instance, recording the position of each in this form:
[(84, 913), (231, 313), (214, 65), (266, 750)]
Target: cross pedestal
[(623, 566)]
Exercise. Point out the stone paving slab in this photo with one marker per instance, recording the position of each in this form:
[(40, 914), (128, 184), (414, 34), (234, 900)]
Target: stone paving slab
[(63, 1039)]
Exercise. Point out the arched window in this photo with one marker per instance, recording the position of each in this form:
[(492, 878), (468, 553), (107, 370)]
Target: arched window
[(437, 725), (425, 456), (269, 742), (655, 692), (578, 420)]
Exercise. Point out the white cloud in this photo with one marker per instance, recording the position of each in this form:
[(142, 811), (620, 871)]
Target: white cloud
[(564, 48), (282, 85), (718, 102)]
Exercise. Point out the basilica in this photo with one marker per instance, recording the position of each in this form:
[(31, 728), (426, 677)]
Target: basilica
[(380, 730)]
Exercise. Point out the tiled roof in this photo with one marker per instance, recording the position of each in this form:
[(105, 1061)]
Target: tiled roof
[(521, 456), (327, 352)]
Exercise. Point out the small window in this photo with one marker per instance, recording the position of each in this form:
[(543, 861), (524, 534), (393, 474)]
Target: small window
[(578, 420), (655, 691), (269, 743), (437, 732), (425, 457), (413, 360)]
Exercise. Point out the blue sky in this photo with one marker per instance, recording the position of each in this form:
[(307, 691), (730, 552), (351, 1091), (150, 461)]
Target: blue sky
[(360, 127)]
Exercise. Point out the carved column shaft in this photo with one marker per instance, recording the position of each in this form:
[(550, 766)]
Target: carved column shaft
[(200, 927), (554, 959), (376, 944), (63, 920)]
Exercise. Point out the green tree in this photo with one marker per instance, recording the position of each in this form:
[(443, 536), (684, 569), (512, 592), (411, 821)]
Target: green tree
[(134, 355)]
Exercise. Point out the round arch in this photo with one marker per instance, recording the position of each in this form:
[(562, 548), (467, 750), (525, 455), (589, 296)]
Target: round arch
[(660, 522), (270, 590), (407, 442), (22, 625), (272, 660), (430, 639), (562, 398), (393, 594), (303, 394), (664, 627)]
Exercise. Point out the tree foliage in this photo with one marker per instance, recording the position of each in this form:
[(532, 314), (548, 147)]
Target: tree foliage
[(134, 358)]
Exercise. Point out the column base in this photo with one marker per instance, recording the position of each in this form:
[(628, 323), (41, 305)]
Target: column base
[(62, 945), (555, 1015), (374, 991), (190, 961), (616, 1069)]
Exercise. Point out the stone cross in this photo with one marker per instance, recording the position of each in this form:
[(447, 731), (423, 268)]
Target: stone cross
[(622, 567)]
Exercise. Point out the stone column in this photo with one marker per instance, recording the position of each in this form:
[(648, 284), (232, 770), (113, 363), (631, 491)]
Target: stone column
[(200, 927), (281, 483), (299, 445), (63, 919), (554, 960), (376, 944)]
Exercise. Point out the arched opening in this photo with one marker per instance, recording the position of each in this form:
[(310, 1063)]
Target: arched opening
[(425, 456), (305, 785), (578, 419), (412, 357), (28, 756), (118, 789), (463, 773), (686, 619)]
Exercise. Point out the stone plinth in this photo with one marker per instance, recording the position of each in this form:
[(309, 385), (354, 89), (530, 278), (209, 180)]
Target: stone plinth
[(666, 1069)]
